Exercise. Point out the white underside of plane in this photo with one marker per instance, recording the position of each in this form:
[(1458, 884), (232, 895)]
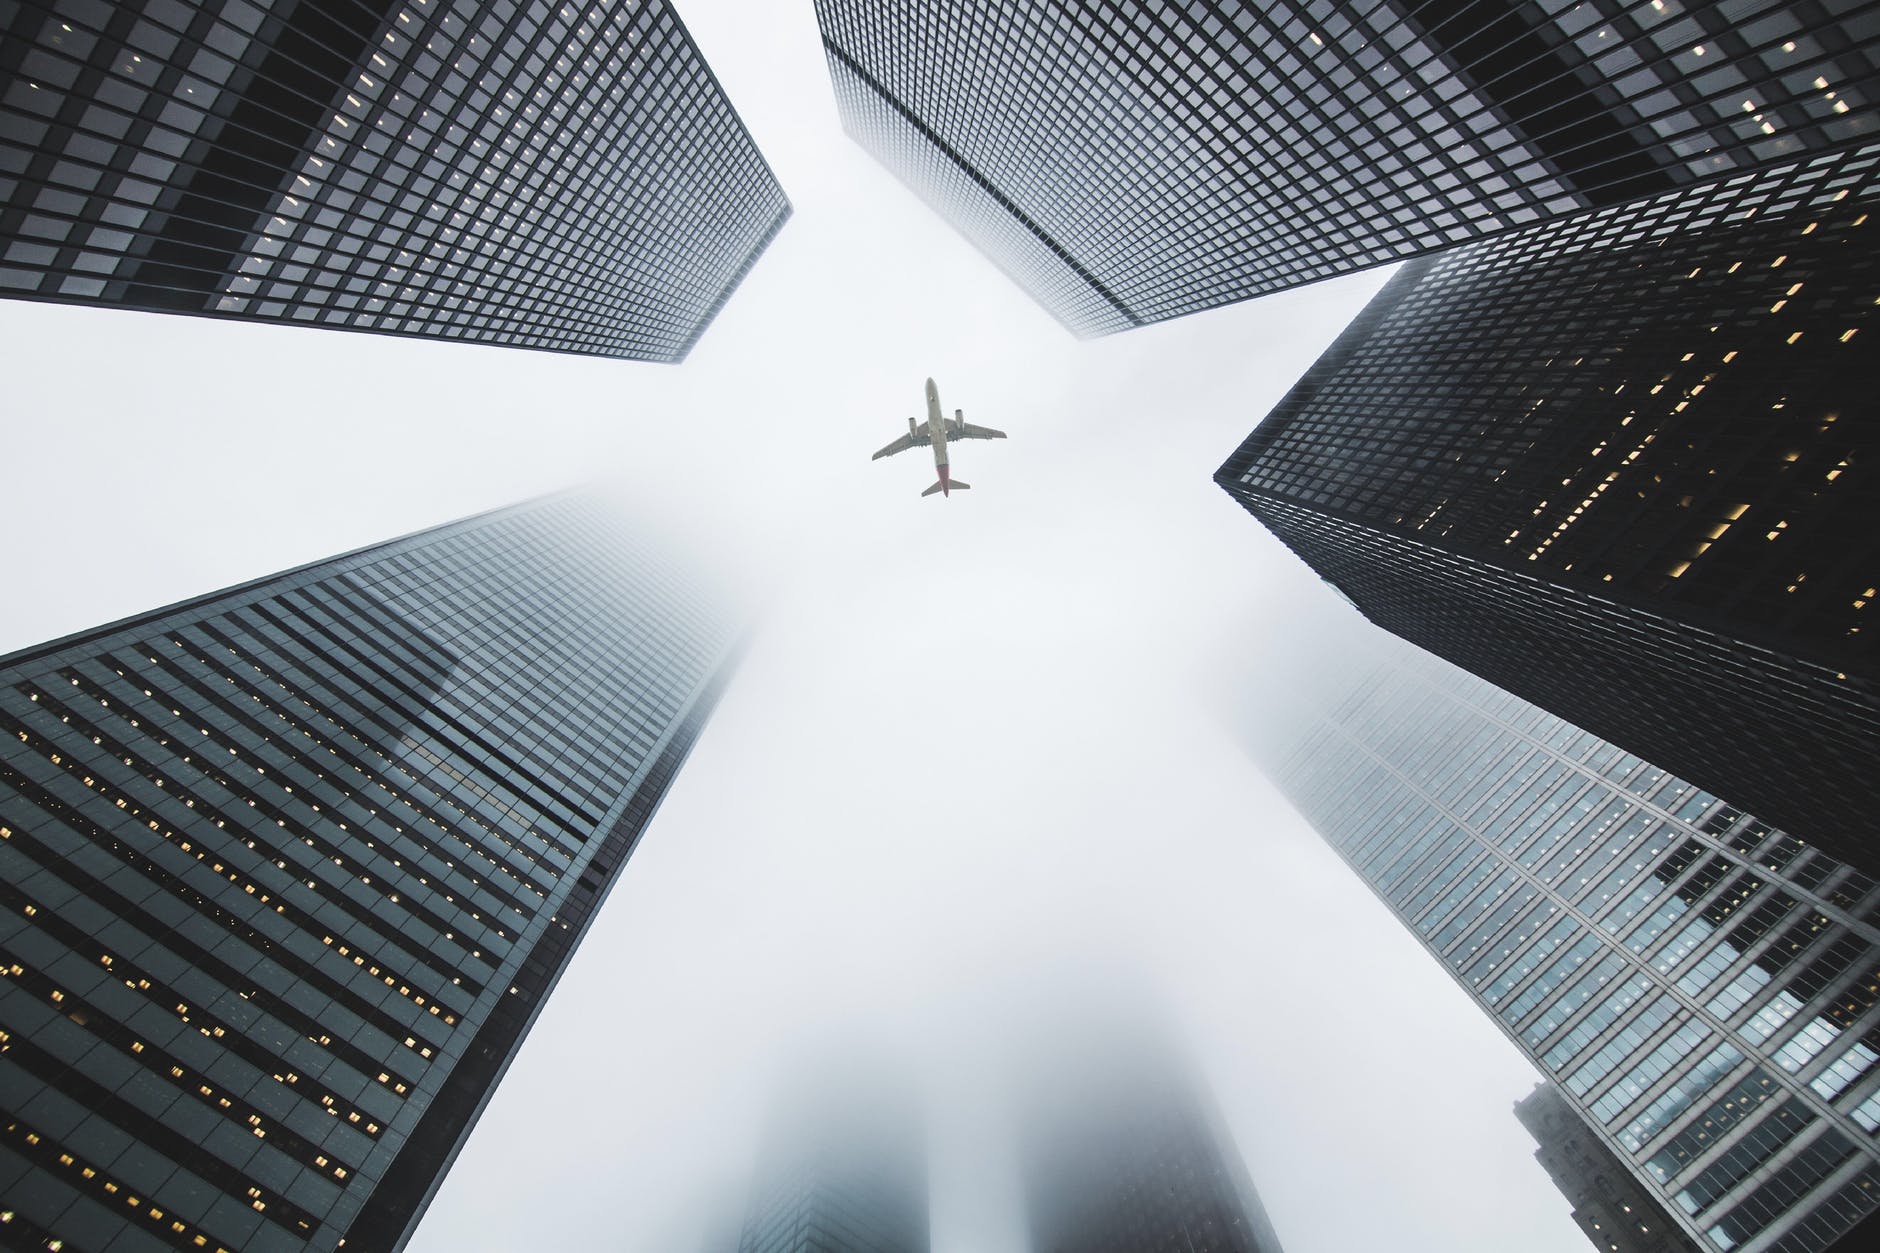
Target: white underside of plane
[(937, 432)]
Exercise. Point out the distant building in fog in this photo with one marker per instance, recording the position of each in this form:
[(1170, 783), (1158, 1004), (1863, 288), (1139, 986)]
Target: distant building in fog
[(1127, 161), (287, 871), (1123, 1151), (1704, 989), (553, 174), (840, 1171), (1610, 1206), (1627, 466)]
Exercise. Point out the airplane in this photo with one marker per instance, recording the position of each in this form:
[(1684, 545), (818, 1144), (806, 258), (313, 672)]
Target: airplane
[(938, 431)]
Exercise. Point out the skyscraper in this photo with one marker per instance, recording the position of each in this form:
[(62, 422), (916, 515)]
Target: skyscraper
[(287, 871), (1701, 987), (1614, 1210), (1623, 466), (537, 173), (843, 1170), (1123, 1151), (1127, 161)]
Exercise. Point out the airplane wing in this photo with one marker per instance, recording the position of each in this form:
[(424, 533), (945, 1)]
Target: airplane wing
[(966, 430), (902, 445)]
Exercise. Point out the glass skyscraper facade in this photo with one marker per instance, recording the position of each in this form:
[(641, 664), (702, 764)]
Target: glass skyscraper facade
[(536, 173), (841, 1175), (1127, 161), (287, 871), (1614, 1210), (1124, 1151), (1701, 987), (829, 1201), (1623, 465)]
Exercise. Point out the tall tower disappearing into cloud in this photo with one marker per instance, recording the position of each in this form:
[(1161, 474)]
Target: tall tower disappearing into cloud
[(1705, 990), (1624, 466), (1123, 1151), (844, 1170), (537, 173), (287, 871), (1127, 161)]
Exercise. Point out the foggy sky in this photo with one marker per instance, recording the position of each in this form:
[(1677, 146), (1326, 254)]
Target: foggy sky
[(971, 735)]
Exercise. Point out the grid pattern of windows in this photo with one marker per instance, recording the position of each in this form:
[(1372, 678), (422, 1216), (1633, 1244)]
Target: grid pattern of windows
[(1707, 1008), (843, 1174), (822, 1205), (1133, 160), (287, 871), (1124, 1151), (1614, 1209), (552, 174), (1622, 464)]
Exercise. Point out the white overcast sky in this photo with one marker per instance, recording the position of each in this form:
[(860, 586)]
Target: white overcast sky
[(972, 735)]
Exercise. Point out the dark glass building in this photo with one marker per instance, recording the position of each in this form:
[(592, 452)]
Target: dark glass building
[(537, 173), (287, 871), (1127, 161), (1614, 1210), (1623, 465), (841, 1174), (1702, 989), (1123, 1151)]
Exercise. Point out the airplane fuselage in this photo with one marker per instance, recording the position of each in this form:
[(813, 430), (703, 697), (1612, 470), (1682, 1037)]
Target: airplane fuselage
[(939, 428), (937, 432)]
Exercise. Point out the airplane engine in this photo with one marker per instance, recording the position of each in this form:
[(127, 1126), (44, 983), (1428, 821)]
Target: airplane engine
[(911, 428)]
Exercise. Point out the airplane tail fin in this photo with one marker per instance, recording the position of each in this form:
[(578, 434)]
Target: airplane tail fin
[(956, 485)]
